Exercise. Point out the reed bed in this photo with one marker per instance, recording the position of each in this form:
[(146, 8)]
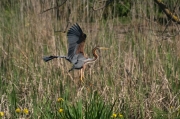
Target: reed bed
[(137, 78)]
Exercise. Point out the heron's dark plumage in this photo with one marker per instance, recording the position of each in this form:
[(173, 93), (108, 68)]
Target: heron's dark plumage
[(76, 39), (49, 58)]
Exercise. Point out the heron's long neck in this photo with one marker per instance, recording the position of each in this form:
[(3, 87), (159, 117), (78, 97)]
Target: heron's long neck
[(95, 53), (95, 56)]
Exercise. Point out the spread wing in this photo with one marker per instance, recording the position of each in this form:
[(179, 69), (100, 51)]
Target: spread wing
[(76, 40)]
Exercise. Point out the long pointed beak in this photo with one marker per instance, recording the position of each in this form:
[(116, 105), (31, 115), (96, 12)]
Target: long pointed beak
[(103, 48)]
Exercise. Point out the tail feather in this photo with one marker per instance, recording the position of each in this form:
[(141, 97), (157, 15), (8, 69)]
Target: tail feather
[(48, 58)]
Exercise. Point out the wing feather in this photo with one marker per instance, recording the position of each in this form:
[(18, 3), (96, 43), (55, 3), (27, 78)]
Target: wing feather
[(76, 40)]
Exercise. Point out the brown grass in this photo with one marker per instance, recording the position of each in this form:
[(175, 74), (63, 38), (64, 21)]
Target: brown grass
[(140, 71)]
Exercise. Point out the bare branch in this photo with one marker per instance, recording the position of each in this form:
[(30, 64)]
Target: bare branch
[(168, 13), (54, 7)]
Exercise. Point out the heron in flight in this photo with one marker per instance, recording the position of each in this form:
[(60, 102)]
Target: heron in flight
[(76, 39)]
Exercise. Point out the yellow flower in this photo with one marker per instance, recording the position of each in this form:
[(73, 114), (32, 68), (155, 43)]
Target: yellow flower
[(114, 115), (61, 110), (121, 116), (1, 114), (60, 99), (25, 111), (18, 110)]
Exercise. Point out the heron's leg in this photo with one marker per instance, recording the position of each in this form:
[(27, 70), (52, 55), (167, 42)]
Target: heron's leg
[(83, 70), (82, 75)]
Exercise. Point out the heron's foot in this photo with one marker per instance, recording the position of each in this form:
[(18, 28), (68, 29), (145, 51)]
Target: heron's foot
[(81, 79)]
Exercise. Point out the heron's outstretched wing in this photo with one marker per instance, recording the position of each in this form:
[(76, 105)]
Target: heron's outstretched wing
[(76, 40)]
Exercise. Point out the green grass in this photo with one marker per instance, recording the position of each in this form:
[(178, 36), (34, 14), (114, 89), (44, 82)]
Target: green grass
[(138, 77)]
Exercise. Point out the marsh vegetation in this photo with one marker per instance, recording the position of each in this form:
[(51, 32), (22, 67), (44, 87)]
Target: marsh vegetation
[(137, 78)]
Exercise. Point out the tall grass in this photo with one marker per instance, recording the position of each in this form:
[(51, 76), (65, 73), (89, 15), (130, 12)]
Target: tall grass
[(137, 77)]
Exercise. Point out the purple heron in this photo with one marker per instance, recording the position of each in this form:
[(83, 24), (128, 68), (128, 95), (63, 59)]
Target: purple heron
[(76, 39)]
